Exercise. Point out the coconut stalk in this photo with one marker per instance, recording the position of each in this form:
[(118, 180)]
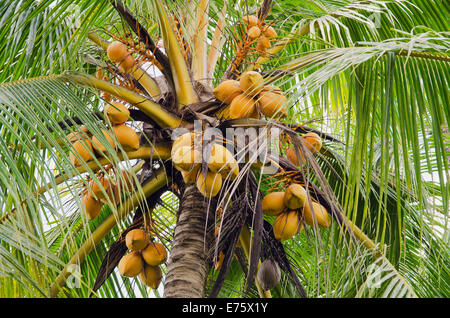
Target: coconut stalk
[(199, 58), (158, 152), (137, 72), (280, 45), (183, 84), (155, 111), (374, 249), (217, 43), (151, 186)]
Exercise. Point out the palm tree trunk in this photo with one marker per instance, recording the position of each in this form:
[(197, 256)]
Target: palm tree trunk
[(188, 265)]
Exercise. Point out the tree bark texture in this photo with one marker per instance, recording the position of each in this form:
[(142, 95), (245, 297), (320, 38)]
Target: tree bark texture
[(188, 262)]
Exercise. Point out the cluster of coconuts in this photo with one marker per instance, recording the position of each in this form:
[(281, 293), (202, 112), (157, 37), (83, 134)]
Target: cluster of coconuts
[(259, 32), (144, 258), (248, 96), (106, 189), (312, 142), (187, 158), (84, 145), (118, 53), (289, 207)]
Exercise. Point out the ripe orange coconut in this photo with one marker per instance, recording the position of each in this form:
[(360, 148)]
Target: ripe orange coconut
[(83, 149), (251, 83), (185, 158), (295, 196), (117, 113), (316, 215), (191, 175), (250, 20), (117, 51), (191, 139), (98, 145), (292, 156), (131, 264), (242, 106), (272, 104), (126, 64), (92, 206), (210, 186), (273, 203), (254, 32), (136, 240), (269, 31), (312, 141), (98, 187), (286, 225), (151, 276), (81, 134), (222, 160), (127, 137), (227, 91), (154, 254)]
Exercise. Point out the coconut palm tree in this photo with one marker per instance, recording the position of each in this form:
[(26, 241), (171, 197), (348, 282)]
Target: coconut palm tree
[(366, 78)]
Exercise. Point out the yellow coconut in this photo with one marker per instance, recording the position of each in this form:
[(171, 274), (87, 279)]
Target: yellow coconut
[(316, 214), (96, 187), (269, 32), (117, 51), (273, 203), (264, 42), (251, 83), (312, 141), (127, 137), (286, 225), (295, 196), (117, 113), (250, 20), (191, 175), (83, 149), (184, 140), (272, 104), (97, 144), (151, 276), (292, 156), (260, 49), (242, 106), (81, 134), (154, 254), (210, 186), (184, 158), (227, 91), (254, 32), (136, 239), (126, 64), (222, 160), (131, 264), (92, 206)]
